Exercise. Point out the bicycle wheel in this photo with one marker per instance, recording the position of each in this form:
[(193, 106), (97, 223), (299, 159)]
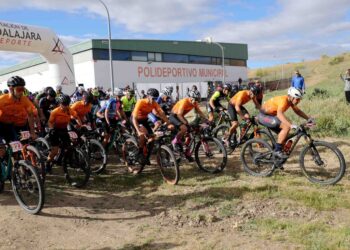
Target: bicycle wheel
[(37, 161), (257, 158), (220, 132), (322, 163), (130, 151), (168, 165), (76, 167), (264, 135), (43, 146), (97, 156), (27, 187), (210, 155)]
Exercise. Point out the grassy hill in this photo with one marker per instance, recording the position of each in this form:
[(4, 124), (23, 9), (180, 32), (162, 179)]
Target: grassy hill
[(324, 98)]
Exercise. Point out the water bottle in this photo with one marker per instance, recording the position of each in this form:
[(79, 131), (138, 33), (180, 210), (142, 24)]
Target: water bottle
[(287, 146)]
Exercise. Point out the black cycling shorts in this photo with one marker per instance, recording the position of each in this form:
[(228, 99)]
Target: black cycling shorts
[(144, 123), (174, 120), (269, 121), (59, 136), (233, 113)]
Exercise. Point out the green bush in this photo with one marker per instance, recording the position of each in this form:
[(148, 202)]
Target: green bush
[(336, 60), (261, 73), (319, 94)]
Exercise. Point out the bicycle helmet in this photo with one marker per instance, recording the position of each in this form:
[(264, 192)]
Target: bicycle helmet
[(118, 92), (166, 92), (194, 94), (88, 97), (227, 86), (255, 89), (154, 93), (295, 92), (95, 93), (170, 88), (64, 100), (51, 93), (15, 81)]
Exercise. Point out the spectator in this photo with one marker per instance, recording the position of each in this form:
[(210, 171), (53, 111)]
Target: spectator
[(194, 90), (240, 82), (143, 95), (260, 94), (59, 90), (346, 79), (298, 81)]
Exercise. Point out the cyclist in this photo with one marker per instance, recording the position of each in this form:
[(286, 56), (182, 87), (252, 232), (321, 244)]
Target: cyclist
[(177, 117), (214, 104), (78, 95), (16, 111), (58, 121), (235, 108), (272, 115), (47, 104), (83, 107), (128, 102), (42, 94), (139, 117), (110, 113)]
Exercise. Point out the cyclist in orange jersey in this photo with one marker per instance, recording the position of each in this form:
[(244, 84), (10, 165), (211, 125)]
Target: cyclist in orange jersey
[(177, 116), (139, 117), (58, 121), (83, 107), (272, 116), (235, 108), (16, 111)]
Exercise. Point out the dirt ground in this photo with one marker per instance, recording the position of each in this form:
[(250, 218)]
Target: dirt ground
[(121, 211)]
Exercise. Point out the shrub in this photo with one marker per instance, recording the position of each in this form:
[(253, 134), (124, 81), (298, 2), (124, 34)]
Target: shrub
[(261, 73), (336, 60), (319, 94)]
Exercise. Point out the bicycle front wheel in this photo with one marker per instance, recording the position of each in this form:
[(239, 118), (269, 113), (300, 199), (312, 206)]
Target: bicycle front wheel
[(322, 163), (97, 156), (27, 187), (210, 155), (76, 168), (131, 156), (168, 165), (257, 158)]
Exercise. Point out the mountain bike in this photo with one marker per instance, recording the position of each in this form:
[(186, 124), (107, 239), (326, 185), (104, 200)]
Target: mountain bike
[(209, 153), (164, 155), (321, 162), (26, 183), (245, 131)]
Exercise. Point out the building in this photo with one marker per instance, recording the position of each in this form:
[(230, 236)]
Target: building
[(143, 64)]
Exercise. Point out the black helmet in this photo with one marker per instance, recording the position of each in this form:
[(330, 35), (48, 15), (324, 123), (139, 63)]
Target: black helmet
[(255, 89), (131, 92), (16, 81), (64, 100), (154, 93), (51, 93), (227, 86), (88, 97)]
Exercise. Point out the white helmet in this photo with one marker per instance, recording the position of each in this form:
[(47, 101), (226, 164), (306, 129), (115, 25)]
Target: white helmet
[(295, 93)]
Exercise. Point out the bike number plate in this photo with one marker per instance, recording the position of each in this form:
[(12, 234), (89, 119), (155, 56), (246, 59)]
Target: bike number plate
[(16, 146), (25, 135), (73, 135)]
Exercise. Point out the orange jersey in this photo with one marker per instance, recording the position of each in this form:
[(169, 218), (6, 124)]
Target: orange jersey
[(81, 109), (60, 118), (143, 108), (271, 106), (185, 105), (241, 98), (15, 111)]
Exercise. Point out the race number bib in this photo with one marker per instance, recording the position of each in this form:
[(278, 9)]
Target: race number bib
[(73, 135), (16, 146), (25, 135)]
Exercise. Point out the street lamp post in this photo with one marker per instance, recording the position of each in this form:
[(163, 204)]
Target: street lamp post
[(210, 41), (110, 46)]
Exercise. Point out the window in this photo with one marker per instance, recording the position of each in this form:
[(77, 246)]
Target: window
[(151, 57), (227, 61), (235, 62), (177, 58), (158, 57), (139, 56), (121, 55), (200, 59), (100, 54)]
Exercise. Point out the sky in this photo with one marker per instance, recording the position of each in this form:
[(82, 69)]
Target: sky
[(276, 31)]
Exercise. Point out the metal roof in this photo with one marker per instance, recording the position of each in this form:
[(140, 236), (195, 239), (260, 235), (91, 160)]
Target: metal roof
[(232, 50)]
